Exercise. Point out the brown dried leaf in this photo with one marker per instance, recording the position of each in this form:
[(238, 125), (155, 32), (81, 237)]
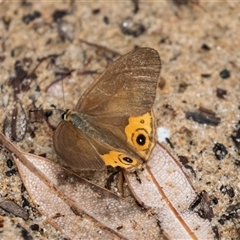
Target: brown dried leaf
[(78, 208), (14, 208), (15, 123), (164, 188), (204, 116)]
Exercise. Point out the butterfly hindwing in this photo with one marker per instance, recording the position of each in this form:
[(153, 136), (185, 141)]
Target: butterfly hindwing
[(75, 149)]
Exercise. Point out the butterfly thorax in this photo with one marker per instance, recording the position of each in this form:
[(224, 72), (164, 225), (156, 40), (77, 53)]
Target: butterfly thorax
[(77, 120)]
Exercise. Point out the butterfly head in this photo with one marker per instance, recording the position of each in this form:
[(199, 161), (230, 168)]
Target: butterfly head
[(66, 114)]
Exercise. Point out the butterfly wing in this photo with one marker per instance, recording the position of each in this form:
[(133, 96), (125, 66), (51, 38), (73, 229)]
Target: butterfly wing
[(126, 88), (120, 101), (75, 148), (81, 152)]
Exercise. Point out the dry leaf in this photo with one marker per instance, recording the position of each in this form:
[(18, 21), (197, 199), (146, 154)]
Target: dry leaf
[(12, 207), (78, 208), (164, 188), (15, 123)]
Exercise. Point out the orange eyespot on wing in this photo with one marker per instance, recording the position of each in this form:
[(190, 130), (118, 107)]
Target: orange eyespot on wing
[(118, 159), (140, 134)]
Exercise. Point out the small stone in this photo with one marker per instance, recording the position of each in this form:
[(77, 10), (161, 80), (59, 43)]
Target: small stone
[(224, 74)]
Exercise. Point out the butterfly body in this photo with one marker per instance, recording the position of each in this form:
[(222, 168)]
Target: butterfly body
[(113, 122)]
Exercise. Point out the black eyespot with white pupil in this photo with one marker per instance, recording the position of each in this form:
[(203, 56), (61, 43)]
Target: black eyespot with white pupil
[(127, 159), (141, 139)]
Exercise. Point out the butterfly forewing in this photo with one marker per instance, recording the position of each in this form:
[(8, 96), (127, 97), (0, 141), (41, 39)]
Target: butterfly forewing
[(127, 87)]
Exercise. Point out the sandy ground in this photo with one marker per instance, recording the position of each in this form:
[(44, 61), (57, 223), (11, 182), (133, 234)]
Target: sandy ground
[(200, 51)]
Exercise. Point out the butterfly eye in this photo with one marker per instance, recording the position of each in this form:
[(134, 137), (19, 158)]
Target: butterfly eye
[(65, 114)]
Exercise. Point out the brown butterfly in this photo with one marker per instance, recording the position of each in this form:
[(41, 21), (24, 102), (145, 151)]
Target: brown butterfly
[(113, 122)]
